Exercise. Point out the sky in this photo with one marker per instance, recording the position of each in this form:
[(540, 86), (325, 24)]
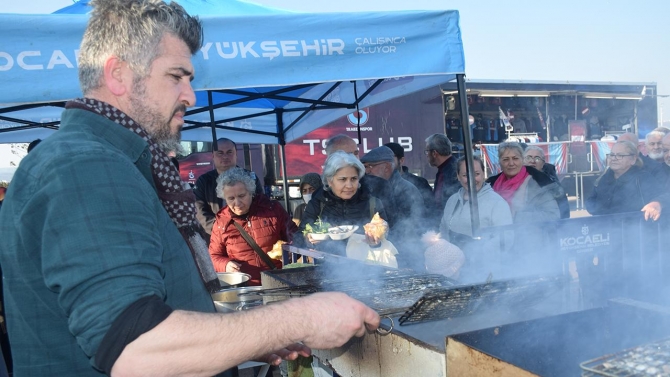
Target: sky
[(567, 40)]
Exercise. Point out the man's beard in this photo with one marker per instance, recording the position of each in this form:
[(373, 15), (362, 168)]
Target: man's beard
[(656, 156), (151, 120)]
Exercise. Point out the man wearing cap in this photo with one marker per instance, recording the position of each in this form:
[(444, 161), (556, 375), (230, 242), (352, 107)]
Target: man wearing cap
[(420, 183), (407, 201)]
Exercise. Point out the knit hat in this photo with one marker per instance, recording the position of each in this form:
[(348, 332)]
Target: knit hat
[(4, 184), (397, 149), (312, 179), (379, 154)]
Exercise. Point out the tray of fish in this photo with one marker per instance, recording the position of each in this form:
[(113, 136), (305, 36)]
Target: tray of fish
[(646, 360)]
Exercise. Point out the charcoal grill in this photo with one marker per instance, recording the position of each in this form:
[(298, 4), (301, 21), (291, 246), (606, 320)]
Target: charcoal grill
[(426, 297), (389, 292), (419, 349), (651, 359)]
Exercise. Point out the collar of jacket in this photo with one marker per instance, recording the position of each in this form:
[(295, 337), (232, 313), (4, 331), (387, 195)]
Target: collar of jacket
[(257, 203), (608, 176), (540, 177)]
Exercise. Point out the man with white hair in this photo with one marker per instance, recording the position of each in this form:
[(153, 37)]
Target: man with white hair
[(653, 142), (653, 145)]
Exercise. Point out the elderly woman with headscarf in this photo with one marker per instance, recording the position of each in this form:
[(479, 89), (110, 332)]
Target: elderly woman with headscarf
[(624, 186), (341, 201), (531, 194), (309, 183), (266, 221)]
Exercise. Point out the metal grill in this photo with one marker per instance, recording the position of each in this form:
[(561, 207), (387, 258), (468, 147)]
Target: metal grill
[(442, 303), (393, 292), (647, 360)]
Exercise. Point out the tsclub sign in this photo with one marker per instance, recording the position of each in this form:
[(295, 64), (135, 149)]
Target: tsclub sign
[(311, 148)]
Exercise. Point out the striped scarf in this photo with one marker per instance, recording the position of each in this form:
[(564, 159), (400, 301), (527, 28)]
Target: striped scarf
[(177, 197)]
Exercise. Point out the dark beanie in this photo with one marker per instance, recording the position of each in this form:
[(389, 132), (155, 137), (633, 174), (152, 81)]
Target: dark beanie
[(312, 179), (397, 149)]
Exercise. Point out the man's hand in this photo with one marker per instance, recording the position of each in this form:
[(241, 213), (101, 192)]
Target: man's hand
[(652, 211), (289, 353), (233, 266), (334, 318)]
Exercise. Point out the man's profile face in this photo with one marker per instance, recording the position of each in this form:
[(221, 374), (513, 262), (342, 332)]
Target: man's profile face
[(225, 157), (158, 102), (381, 169)]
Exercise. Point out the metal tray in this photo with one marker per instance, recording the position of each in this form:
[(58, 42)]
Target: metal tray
[(651, 359)]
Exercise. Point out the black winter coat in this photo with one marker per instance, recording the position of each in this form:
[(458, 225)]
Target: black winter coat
[(628, 193), (336, 211)]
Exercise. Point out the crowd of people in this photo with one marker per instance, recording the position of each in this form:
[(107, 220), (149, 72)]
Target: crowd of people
[(351, 189), (109, 266)]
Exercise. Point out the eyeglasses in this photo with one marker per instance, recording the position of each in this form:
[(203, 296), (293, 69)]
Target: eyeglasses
[(533, 159), (618, 156), (370, 166), (427, 151)]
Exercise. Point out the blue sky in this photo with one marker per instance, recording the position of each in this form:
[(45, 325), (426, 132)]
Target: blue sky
[(567, 40)]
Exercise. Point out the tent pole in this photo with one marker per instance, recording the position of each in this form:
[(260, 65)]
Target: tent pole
[(282, 149), (215, 146), (468, 152)]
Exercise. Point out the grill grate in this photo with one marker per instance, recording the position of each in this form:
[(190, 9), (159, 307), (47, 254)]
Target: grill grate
[(647, 360), (442, 303), (392, 291)]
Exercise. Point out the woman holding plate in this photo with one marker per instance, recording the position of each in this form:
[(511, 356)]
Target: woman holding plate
[(340, 202)]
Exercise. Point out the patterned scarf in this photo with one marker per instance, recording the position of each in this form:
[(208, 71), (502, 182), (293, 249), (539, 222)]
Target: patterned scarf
[(177, 197), (506, 187)]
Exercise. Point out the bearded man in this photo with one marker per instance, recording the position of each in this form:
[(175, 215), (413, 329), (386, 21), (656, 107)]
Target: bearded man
[(104, 266)]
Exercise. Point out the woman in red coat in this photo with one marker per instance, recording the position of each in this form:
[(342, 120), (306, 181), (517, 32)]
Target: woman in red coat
[(266, 221)]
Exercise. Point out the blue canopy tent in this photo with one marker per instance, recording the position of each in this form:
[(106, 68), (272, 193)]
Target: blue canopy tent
[(268, 67), (262, 76)]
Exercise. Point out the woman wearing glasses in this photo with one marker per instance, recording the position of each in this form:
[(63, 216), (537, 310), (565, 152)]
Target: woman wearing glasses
[(531, 195), (624, 186), (534, 156)]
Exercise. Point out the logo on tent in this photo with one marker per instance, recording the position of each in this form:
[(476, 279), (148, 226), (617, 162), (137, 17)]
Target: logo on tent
[(356, 115)]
